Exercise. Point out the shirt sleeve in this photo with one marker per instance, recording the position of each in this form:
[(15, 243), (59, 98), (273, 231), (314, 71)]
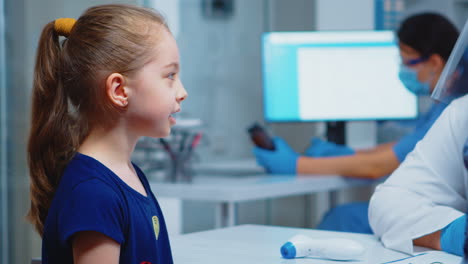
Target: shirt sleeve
[(407, 143), (429, 189), (93, 206)]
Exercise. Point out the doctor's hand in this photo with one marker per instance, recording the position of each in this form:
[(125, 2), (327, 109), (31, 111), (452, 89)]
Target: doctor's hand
[(282, 160), (452, 237), (321, 148)]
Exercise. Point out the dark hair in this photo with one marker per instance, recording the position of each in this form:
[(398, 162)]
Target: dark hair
[(69, 96), (429, 33)]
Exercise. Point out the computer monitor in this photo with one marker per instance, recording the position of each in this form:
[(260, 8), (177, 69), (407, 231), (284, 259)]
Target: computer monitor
[(333, 76)]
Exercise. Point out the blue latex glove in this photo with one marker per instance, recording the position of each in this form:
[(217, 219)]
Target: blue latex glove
[(452, 237), (321, 148), (282, 160)]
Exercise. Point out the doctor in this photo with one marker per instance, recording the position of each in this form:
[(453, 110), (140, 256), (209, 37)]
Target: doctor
[(424, 202), (425, 42)]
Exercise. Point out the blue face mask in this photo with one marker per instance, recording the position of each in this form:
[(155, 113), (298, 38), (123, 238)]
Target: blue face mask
[(409, 78)]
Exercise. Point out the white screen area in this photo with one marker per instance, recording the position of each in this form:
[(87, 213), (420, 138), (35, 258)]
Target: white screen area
[(351, 83), (323, 76)]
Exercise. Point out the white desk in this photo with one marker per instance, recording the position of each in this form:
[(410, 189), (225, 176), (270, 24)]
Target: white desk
[(229, 167), (261, 245), (227, 191)]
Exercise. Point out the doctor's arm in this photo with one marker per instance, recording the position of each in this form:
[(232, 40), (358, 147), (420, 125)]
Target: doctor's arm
[(430, 241), (377, 148), (372, 164), (368, 164), (423, 202), (450, 239)]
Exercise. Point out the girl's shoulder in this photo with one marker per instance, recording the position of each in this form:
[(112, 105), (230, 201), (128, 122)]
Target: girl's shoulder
[(83, 171), (86, 185)]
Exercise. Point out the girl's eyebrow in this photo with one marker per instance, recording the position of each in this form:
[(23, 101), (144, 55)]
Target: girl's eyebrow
[(174, 64)]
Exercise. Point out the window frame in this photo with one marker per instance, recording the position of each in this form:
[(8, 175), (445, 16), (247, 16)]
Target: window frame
[(4, 248)]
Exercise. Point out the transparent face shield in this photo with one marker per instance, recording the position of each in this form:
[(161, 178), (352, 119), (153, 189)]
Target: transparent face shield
[(453, 81), (465, 155)]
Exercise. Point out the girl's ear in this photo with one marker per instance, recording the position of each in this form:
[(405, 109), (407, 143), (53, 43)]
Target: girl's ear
[(115, 89)]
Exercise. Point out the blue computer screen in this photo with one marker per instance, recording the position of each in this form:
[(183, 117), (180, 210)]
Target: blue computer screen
[(333, 76)]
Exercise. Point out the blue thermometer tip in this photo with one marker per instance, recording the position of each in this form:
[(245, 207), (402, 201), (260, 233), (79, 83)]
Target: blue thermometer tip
[(288, 251)]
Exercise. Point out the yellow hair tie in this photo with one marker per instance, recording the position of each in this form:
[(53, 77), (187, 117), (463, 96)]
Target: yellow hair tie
[(63, 26)]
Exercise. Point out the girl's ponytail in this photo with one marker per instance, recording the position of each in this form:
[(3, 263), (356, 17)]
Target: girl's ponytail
[(51, 141)]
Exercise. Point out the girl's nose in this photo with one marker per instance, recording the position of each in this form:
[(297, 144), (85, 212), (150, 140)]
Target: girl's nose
[(182, 93)]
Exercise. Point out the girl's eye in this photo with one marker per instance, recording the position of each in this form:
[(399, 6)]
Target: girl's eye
[(171, 76)]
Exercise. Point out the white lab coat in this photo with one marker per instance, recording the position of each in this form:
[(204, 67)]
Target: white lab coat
[(430, 188)]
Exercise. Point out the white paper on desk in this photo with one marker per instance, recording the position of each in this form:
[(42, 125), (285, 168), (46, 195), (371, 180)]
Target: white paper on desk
[(428, 258)]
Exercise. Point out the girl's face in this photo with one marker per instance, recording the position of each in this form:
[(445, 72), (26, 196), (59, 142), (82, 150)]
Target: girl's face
[(156, 91)]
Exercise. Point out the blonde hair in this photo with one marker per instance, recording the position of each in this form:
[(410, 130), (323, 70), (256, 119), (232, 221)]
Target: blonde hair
[(69, 95)]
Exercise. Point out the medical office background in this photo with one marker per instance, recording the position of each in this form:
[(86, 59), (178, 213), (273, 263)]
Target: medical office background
[(221, 70)]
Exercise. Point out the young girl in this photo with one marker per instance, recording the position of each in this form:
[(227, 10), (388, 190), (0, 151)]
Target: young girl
[(113, 79)]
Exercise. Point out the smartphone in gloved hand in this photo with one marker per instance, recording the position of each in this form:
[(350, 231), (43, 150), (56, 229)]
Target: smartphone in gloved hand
[(260, 137)]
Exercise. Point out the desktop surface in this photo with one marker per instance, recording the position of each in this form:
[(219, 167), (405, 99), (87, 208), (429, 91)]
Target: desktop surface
[(261, 245), (252, 187)]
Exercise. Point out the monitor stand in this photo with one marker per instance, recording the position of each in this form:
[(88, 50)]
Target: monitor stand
[(336, 132)]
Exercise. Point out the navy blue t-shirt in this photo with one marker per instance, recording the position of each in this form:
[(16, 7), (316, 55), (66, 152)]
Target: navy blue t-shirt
[(90, 197)]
